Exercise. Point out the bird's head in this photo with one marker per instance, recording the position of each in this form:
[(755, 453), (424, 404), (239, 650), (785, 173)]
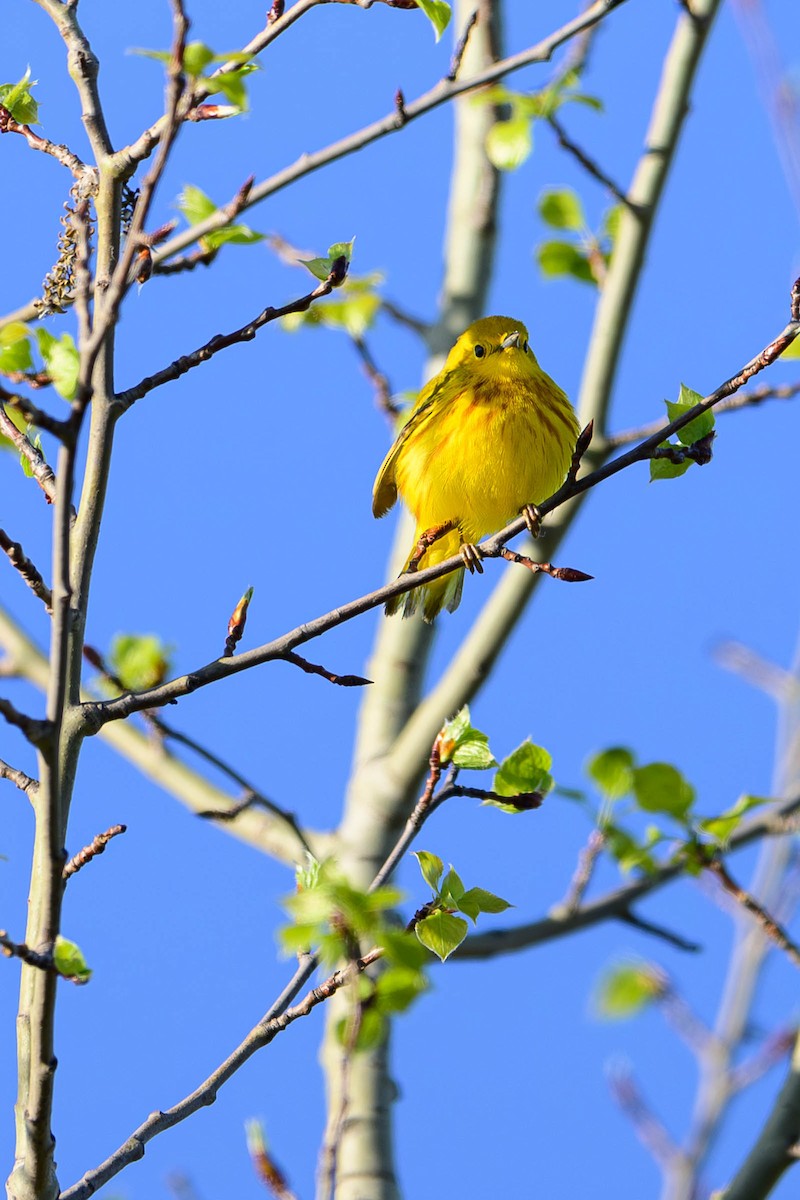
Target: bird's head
[(491, 347)]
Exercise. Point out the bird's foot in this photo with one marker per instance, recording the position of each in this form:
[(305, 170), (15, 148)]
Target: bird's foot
[(533, 519), (471, 557), (425, 541)]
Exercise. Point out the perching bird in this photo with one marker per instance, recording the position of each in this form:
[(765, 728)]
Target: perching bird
[(489, 437)]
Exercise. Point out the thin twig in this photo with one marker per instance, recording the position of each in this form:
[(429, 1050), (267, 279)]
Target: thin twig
[(774, 1048), (785, 391), (32, 576), (22, 781), (660, 931), (221, 341), (441, 93), (278, 1017), (383, 391), (650, 1131), (314, 669), (461, 47), (95, 847), (587, 861), (35, 731), (43, 962), (588, 163), (41, 471), (33, 414), (86, 176), (97, 714), (253, 795), (614, 904), (406, 319), (770, 926)]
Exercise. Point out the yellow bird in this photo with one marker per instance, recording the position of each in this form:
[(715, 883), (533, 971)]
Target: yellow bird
[(489, 437)]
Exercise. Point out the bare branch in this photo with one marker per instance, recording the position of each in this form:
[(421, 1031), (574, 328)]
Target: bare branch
[(40, 469), (19, 559), (95, 847), (22, 781), (770, 926), (96, 715), (314, 669), (614, 905), (253, 795), (440, 93), (650, 1131), (221, 341), (35, 731), (86, 176), (786, 391), (588, 163), (43, 962)]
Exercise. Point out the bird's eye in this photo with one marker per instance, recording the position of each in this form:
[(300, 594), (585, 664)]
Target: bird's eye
[(480, 351)]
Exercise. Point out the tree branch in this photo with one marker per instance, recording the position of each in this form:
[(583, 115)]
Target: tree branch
[(616, 904), (124, 400), (97, 714)]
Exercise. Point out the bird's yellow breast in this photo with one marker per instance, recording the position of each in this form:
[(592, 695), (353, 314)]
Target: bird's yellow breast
[(494, 447)]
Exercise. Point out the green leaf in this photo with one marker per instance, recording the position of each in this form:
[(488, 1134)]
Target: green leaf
[(196, 57), (15, 348), (611, 770), (398, 987), (611, 222), (321, 268), (17, 98), (441, 933), (700, 427), (792, 350), (432, 868), (453, 730), (195, 205), (628, 853), (438, 13), (562, 209), (473, 753), (564, 258), (140, 661), (36, 442), (354, 313), (478, 900), (452, 889), (593, 102), (663, 468), (526, 769), (720, 828), (463, 745), (19, 422), (69, 961), (232, 85), (307, 875), (509, 143), (402, 948), (626, 989), (235, 235), (371, 1030), (660, 787), (61, 361)]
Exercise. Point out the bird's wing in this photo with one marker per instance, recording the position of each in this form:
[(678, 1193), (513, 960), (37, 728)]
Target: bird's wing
[(384, 492)]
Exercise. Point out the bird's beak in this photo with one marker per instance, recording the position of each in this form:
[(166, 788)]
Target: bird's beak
[(511, 341)]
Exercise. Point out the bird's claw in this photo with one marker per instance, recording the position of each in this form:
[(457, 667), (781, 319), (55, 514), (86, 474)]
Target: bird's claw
[(471, 557), (533, 519)]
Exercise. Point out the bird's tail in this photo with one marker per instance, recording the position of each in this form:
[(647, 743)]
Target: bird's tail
[(440, 593)]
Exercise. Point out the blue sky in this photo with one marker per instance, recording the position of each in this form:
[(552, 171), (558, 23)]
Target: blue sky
[(257, 470)]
